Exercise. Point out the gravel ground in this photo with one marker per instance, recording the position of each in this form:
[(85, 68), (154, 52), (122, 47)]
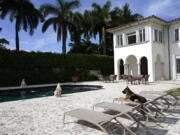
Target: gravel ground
[(43, 116)]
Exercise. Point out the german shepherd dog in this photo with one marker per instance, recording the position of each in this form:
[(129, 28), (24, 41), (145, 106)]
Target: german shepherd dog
[(130, 95), (133, 97)]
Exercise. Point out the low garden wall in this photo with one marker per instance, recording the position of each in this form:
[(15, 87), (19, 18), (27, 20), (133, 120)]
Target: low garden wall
[(41, 68)]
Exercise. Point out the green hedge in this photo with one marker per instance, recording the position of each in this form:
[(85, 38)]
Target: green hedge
[(39, 68)]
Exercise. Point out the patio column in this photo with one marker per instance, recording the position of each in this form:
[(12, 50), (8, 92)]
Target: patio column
[(137, 36), (124, 39), (139, 68), (126, 69)]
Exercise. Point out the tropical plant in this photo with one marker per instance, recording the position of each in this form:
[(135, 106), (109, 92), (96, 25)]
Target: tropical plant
[(102, 18), (60, 19), (76, 29), (88, 25), (26, 16), (127, 15), (85, 47), (3, 42), (117, 17), (82, 27)]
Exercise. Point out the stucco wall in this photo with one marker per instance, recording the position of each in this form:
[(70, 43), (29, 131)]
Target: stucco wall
[(156, 53), (174, 50), (138, 50)]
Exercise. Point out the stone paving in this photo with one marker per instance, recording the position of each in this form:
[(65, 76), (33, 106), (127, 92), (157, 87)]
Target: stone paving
[(43, 116)]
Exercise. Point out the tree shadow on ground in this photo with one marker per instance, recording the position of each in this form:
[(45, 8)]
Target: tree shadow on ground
[(173, 111), (140, 117), (116, 129)]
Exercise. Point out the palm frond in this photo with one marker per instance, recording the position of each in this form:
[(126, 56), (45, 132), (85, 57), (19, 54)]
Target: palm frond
[(60, 3), (48, 9), (47, 23), (3, 41), (96, 7), (107, 6), (73, 4)]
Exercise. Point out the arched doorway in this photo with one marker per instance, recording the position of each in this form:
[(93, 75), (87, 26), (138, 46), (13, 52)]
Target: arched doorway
[(159, 69), (132, 67), (144, 66), (121, 67)]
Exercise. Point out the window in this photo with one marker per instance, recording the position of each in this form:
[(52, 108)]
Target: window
[(156, 35), (142, 35), (178, 66), (131, 38), (176, 34), (160, 36), (119, 40)]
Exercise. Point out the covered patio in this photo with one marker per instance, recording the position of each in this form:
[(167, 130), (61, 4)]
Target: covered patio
[(133, 66)]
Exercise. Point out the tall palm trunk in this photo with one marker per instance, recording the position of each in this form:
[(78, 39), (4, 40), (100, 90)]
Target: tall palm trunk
[(17, 36), (64, 32), (104, 40), (100, 38)]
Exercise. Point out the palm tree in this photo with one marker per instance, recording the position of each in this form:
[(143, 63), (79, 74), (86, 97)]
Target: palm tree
[(102, 18), (26, 16), (116, 16), (61, 18), (76, 29), (128, 16), (3, 41), (88, 25)]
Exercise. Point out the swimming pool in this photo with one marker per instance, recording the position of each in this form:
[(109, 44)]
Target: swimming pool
[(29, 93)]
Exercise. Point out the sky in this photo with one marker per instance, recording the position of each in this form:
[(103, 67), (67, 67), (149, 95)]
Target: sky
[(47, 42)]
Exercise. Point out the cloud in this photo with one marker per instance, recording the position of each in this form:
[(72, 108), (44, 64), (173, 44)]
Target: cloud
[(162, 8), (116, 3), (47, 40), (35, 44)]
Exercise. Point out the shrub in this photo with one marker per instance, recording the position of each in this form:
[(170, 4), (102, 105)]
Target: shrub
[(39, 68)]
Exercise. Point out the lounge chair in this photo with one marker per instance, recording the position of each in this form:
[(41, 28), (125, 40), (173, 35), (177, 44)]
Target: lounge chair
[(159, 102), (162, 93), (126, 109), (150, 107), (122, 109), (169, 99), (97, 118)]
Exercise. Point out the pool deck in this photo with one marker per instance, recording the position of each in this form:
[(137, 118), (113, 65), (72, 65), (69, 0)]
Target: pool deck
[(43, 116)]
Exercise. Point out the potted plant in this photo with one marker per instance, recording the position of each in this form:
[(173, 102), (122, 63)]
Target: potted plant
[(75, 77)]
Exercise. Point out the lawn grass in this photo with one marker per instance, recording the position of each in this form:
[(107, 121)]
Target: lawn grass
[(175, 92)]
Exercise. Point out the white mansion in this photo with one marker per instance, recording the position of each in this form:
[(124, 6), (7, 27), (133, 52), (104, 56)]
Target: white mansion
[(148, 46)]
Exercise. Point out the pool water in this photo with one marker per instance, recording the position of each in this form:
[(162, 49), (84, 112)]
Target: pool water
[(29, 94)]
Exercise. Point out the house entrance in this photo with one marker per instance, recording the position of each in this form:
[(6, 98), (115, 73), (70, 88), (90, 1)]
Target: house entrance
[(144, 66), (121, 67)]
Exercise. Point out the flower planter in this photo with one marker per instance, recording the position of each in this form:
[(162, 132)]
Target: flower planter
[(75, 78)]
